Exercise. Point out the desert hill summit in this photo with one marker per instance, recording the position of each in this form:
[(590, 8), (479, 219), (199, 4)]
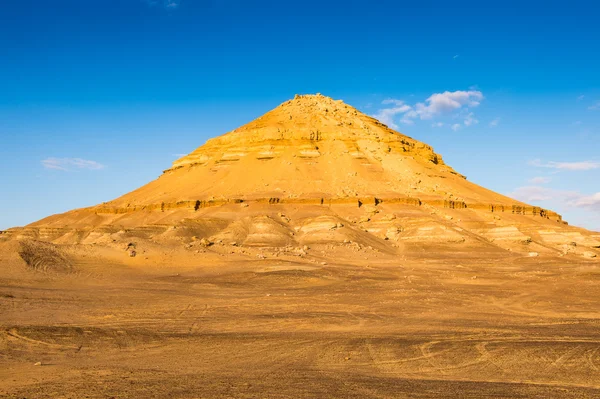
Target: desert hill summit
[(311, 147), (316, 171)]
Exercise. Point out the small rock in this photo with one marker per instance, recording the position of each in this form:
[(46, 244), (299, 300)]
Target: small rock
[(589, 254), (132, 254), (533, 254), (205, 243), (38, 364)]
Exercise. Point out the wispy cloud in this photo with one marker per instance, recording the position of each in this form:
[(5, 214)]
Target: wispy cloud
[(532, 193), (386, 115), (495, 122), (170, 4), (437, 124), (572, 199), (66, 164), (540, 180), (456, 127), (581, 97), (470, 119), (455, 57), (573, 166), (440, 103), (539, 194), (594, 107), (436, 105), (591, 202)]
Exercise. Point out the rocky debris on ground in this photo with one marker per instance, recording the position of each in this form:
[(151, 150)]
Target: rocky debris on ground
[(205, 242)]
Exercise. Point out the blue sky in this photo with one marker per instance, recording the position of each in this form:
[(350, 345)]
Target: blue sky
[(97, 97)]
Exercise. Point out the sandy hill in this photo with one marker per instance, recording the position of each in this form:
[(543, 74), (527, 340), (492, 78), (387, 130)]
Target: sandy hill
[(316, 171)]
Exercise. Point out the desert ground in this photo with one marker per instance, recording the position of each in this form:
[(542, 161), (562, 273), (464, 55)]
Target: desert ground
[(366, 326)]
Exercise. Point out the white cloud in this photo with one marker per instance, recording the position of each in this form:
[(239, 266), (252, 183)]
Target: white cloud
[(170, 4), (532, 193), (440, 103), (594, 107), (581, 97), (436, 105), (455, 57), (539, 193), (582, 165), (569, 198), (470, 119), (437, 124), (392, 101), (540, 180), (495, 122), (589, 202), (455, 127), (386, 115), (66, 164)]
